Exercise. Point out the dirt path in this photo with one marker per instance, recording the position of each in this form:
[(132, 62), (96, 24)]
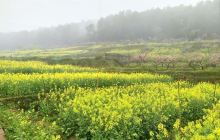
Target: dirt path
[(2, 135)]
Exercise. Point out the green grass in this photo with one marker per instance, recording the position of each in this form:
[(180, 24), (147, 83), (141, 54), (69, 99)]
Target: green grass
[(88, 51), (93, 56)]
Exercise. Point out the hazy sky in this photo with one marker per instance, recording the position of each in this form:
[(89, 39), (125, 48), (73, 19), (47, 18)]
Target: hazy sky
[(16, 15)]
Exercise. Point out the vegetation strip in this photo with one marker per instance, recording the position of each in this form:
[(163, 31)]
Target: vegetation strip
[(133, 112), (26, 84)]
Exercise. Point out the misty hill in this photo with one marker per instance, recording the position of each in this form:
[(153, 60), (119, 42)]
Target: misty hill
[(60, 36), (182, 22)]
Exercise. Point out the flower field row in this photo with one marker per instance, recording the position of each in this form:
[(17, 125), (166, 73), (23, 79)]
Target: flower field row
[(133, 112), (7, 66), (32, 84), (19, 126), (96, 105), (207, 128)]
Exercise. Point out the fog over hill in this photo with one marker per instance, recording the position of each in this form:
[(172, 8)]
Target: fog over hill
[(201, 21)]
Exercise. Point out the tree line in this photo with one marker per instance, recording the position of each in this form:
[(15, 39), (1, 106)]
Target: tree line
[(171, 23), (181, 22)]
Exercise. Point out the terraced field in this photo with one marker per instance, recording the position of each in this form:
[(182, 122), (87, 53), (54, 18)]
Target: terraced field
[(83, 103)]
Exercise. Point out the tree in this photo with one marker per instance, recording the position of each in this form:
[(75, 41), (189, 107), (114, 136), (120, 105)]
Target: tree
[(91, 31), (197, 60)]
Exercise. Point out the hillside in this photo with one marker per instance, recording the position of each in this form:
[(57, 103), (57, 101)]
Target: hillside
[(192, 60), (171, 23)]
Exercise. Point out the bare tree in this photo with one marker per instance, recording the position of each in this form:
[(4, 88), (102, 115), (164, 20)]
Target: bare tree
[(197, 60), (140, 58), (213, 60), (170, 61), (167, 61)]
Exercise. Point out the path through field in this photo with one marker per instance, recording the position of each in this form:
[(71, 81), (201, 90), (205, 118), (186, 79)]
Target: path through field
[(2, 135)]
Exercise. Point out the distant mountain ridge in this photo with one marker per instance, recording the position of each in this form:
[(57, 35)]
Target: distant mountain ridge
[(180, 22)]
